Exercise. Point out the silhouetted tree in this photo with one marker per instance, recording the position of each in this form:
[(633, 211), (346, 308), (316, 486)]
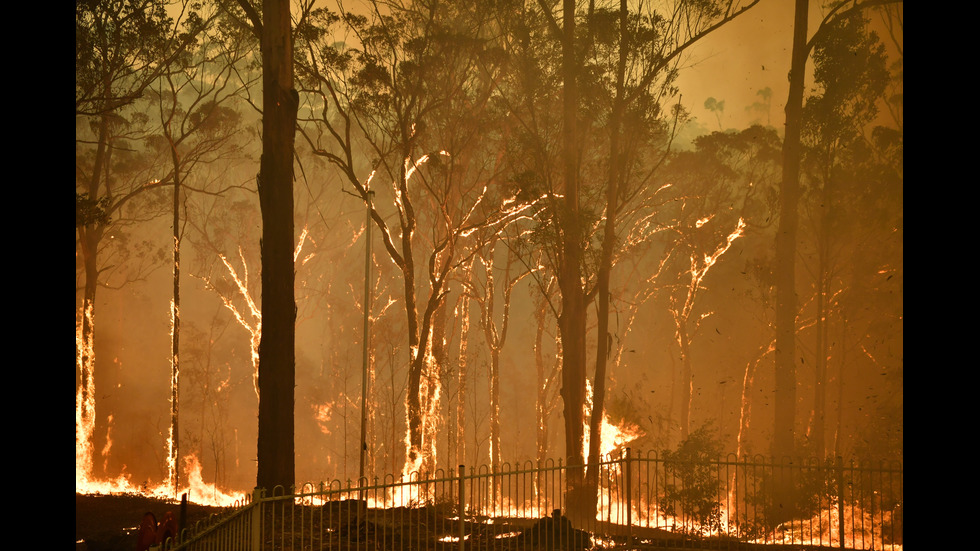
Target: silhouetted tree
[(277, 348), (653, 42), (404, 112), (851, 78), (121, 49)]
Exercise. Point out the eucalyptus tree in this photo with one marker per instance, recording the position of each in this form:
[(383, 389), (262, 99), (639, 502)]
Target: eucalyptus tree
[(121, 49), (613, 64), (272, 25), (198, 121), (784, 271), (722, 191), (495, 324), (851, 79), (397, 102)]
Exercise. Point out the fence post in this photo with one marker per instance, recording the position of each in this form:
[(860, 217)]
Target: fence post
[(256, 533), (840, 501), (628, 473), (461, 509)]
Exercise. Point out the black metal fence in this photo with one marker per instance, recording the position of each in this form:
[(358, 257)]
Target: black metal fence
[(632, 501)]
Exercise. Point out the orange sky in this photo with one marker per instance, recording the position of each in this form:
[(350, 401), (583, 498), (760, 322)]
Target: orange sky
[(735, 62)]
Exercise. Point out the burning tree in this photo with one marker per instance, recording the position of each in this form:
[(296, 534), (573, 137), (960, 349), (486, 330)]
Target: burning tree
[(620, 66), (121, 50), (851, 74), (400, 102), (784, 271), (719, 194), (197, 127)]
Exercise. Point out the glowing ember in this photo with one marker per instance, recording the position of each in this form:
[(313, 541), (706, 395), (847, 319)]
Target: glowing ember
[(250, 320)]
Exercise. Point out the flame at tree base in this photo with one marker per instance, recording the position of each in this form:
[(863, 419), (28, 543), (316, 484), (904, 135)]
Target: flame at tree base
[(197, 490)]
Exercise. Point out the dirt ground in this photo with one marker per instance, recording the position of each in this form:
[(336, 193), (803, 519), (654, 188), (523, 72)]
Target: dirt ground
[(110, 522)]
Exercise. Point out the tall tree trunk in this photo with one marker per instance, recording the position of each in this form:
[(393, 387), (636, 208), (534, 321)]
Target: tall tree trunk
[(175, 342), (540, 404), (277, 354), (572, 320), (784, 423), (463, 313), (493, 342), (604, 338), (785, 276), (687, 377), (89, 237)]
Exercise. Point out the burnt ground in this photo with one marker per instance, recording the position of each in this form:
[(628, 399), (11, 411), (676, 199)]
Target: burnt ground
[(110, 522)]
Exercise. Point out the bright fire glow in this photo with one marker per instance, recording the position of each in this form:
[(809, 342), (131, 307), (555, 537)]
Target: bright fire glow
[(84, 401), (194, 486), (253, 322), (613, 437), (322, 413)]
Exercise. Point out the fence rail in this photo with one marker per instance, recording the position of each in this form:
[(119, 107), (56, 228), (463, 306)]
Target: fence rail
[(641, 501)]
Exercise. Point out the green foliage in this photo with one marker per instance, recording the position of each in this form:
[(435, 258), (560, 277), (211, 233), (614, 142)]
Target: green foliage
[(90, 211), (851, 76), (691, 483), (118, 44)]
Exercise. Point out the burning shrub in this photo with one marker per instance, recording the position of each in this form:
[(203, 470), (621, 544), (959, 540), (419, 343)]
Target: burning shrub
[(691, 486)]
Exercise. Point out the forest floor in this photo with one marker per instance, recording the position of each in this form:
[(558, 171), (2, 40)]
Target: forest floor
[(111, 522)]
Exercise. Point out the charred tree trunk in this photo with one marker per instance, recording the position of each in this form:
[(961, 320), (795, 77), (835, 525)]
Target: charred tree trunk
[(687, 377), (572, 320), (604, 339), (785, 277), (89, 237), (175, 344), (277, 354)]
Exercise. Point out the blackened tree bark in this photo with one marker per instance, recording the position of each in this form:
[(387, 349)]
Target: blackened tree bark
[(277, 354), (789, 196), (572, 319), (606, 261), (121, 49), (785, 271)]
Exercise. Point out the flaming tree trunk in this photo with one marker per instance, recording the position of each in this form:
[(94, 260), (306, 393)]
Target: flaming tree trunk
[(175, 343), (604, 344), (89, 237)]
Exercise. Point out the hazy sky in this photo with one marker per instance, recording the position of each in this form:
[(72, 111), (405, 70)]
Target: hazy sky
[(735, 62), (753, 52)]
